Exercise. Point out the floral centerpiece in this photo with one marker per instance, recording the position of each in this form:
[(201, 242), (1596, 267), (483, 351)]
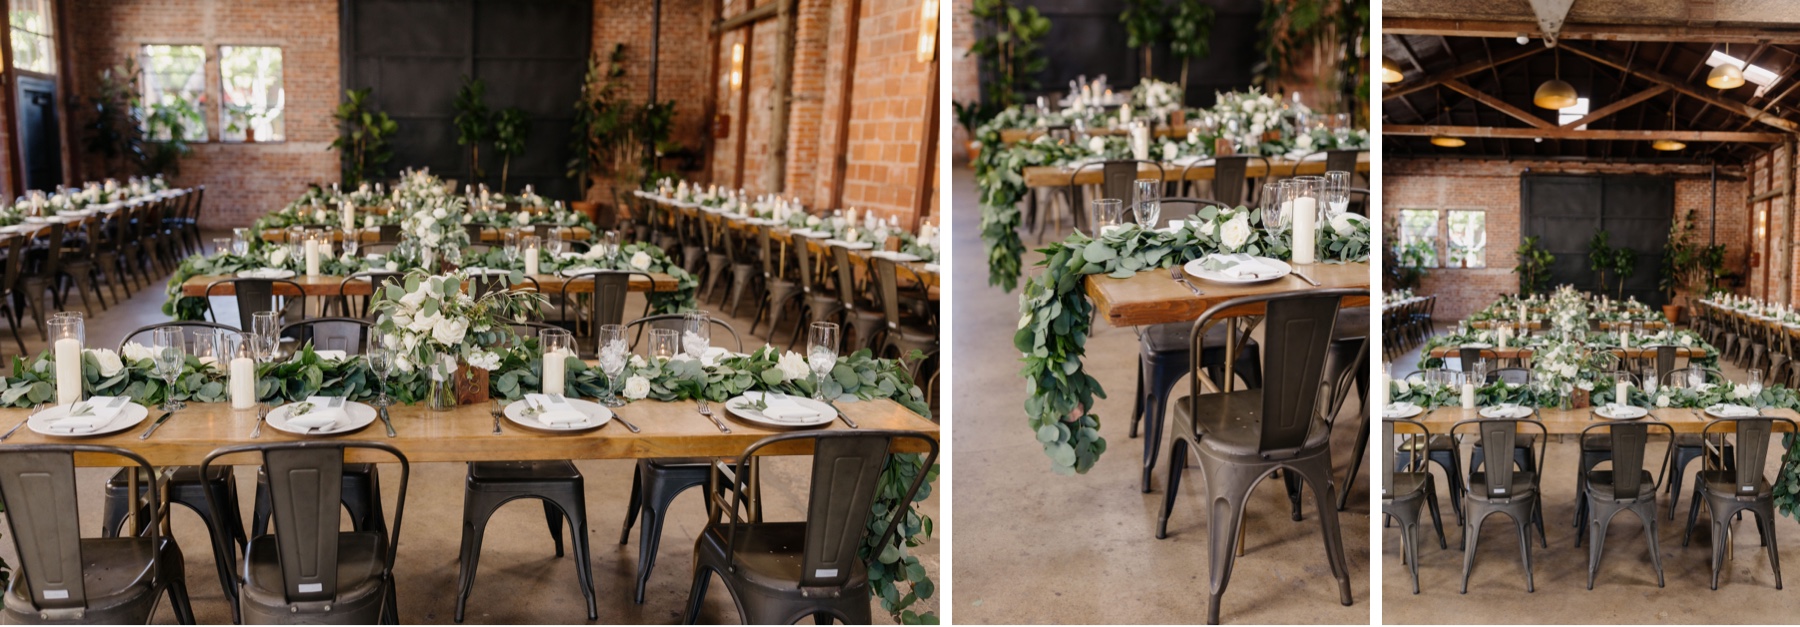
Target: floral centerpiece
[(433, 324), (1156, 98)]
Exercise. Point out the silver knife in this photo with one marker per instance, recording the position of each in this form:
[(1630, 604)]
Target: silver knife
[(1306, 278), (842, 416), (388, 422), (156, 424), (1175, 273)]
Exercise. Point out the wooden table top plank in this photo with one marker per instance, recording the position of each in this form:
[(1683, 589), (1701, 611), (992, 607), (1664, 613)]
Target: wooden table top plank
[(466, 434), (326, 285), (1572, 421), (1152, 297), (1058, 176), (488, 234), (1513, 352)]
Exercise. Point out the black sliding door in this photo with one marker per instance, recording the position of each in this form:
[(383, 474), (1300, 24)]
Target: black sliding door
[(414, 54), (1086, 38), (1564, 212)]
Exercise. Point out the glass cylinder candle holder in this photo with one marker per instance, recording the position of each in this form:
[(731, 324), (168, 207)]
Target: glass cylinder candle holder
[(237, 356), (528, 246), (558, 345), (665, 344), (68, 334)]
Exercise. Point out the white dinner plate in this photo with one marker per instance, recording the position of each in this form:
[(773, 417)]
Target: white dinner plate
[(896, 256), (761, 221), (1193, 269), (598, 416), (570, 273), (1400, 410), (1478, 345), (1730, 410), (359, 416), (266, 273), (740, 407), (129, 416), (1505, 411), (809, 233), (931, 267), (485, 272), (849, 245), (16, 228), (36, 219), (1612, 411)]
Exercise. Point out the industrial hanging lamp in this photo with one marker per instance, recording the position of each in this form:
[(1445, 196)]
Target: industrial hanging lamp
[(1442, 140), (1390, 71), (1726, 75), (1669, 144), (1555, 93)]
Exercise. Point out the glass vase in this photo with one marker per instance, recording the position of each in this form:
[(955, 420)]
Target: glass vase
[(440, 394)]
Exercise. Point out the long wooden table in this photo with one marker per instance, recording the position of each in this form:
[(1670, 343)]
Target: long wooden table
[(335, 286), (1058, 176), (1514, 352), (488, 234), (1152, 297), (1572, 421), (466, 434)]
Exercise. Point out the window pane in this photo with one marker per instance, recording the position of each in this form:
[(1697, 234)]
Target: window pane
[(174, 90), (34, 38), (1467, 243), (251, 79), (1418, 237)]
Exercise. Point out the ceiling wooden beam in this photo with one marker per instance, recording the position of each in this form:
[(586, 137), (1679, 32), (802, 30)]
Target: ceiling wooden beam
[(1460, 71), (1709, 33), (1617, 106), (1467, 132), (746, 18), (1684, 88), (1498, 104)]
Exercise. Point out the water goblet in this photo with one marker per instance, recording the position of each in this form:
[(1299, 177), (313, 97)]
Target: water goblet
[(614, 356), (169, 354), (821, 353), (1147, 202)]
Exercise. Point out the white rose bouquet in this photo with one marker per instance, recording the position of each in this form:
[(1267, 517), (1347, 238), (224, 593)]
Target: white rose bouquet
[(433, 325)]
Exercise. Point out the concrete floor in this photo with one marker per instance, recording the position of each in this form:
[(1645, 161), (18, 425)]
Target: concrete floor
[(520, 580), (1035, 547), (1625, 590)]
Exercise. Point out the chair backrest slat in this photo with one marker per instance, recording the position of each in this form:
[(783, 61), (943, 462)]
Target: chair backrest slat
[(845, 473), (350, 335), (39, 489), (1296, 338), (309, 483)]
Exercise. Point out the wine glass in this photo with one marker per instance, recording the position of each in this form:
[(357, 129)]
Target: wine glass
[(169, 350), (609, 244), (1275, 217), (381, 363), (352, 242), (1337, 191), (665, 344), (509, 247), (1755, 382), (822, 352), (696, 334), (267, 327), (555, 245), (614, 355), (1148, 202), (1649, 383), (1107, 213)]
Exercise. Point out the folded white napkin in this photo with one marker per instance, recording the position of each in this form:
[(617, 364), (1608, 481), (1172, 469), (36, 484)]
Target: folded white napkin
[(1244, 266), (331, 355), (322, 415), (100, 411), (1397, 409), (1730, 410), (556, 409), (782, 408), (1507, 410), (264, 273)]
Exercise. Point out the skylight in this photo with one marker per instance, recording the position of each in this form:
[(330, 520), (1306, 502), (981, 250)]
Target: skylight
[(1752, 73), (1570, 114)]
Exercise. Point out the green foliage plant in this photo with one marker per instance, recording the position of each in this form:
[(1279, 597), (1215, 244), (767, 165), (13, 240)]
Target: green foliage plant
[(362, 143), (1008, 47), (474, 123)]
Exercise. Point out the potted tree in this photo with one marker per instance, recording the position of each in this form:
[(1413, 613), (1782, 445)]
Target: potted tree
[(1688, 267)]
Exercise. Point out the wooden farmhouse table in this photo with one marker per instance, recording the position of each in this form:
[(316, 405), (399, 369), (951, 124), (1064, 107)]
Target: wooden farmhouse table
[(466, 433), (1058, 176), (488, 234), (335, 286), (1152, 297), (1514, 352), (1572, 421)]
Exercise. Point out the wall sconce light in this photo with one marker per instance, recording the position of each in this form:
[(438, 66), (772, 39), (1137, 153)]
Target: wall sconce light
[(928, 26), (737, 65)]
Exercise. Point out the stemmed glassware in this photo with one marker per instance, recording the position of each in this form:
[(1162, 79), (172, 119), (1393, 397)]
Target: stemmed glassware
[(614, 355), (1337, 191), (1755, 382), (1648, 382), (267, 327), (1275, 217), (352, 241), (381, 363), (822, 353), (609, 245), (510, 247), (169, 349), (696, 334), (1148, 202)]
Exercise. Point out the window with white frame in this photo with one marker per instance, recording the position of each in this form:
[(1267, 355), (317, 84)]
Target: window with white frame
[(253, 98), (1418, 238), (1465, 239), (174, 91)]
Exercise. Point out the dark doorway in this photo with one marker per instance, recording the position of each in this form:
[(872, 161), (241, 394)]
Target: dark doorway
[(40, 144), (1078, 28), (414, 54), (1565, 212)]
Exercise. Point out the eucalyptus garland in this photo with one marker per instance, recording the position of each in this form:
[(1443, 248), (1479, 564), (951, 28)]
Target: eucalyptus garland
[(1056, 315), (897, 577)]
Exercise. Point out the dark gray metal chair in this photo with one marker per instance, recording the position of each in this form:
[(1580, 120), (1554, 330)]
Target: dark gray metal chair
[(604, 300), (492, 484), (718, 259), (184, 325), (821, 303), (43, 280), (740, 251), (1737, 486), (64, 578), (254, 295), (1627, 486), (308, 571), (378, 278), (1689, 446), (350, 335), (1163, 359), (1403, 492), (655, 483), (1347, 365), (1243, 436), (781, 290), (1231, 177), (861, 313), (780, 572), (904, 335), (1500, 489)]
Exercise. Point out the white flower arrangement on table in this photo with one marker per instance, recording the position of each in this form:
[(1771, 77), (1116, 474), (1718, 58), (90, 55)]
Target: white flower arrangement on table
[(1557, 367), (434, 325), (1156, 98), (435, 223), (1245, 117)]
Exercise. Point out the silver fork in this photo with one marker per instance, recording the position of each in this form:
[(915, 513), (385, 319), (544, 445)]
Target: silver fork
[(706, 410), (262, 415), (1306, 278), (1175, 273), (496, 412)]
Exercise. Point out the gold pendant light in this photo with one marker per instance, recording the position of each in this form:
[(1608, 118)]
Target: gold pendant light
[(1669, 144), (1440, 140), (1555, 94), (1726, 75), (1390, 71)]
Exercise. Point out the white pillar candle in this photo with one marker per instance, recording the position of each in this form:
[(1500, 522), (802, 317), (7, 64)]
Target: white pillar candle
[(1501, 334), (243, 383), (1387, 389), (1305, 217), (554, 362), (1624, 338), (312, 258), (68, 371), (347, 215), (1468, 395), (1622, 392), (531, 260), (1140, 142)]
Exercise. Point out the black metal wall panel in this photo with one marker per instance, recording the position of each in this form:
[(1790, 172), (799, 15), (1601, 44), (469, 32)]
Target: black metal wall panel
[(1565, 211), (414, 54), (1086, 38)]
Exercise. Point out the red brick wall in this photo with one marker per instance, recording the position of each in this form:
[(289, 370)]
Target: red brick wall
[(682, 64), (243, 180), (888, 117), (1493, 186), (965, 77)]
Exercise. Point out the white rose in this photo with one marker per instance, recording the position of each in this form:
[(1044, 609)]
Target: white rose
[(138, 352), (1402, 387), (636, 388), (279, 257), (412, 300), (440, 214), (108, 360), (812, 220), (1234, 233), (640, 260), (403, 363), (485, 360), (393, 266), (1170, 151), (1344, 223), (1097, 144), (1586, 385), (793, 366), (449, 332), (1740, 391), (1662, 401), (637, 361)]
